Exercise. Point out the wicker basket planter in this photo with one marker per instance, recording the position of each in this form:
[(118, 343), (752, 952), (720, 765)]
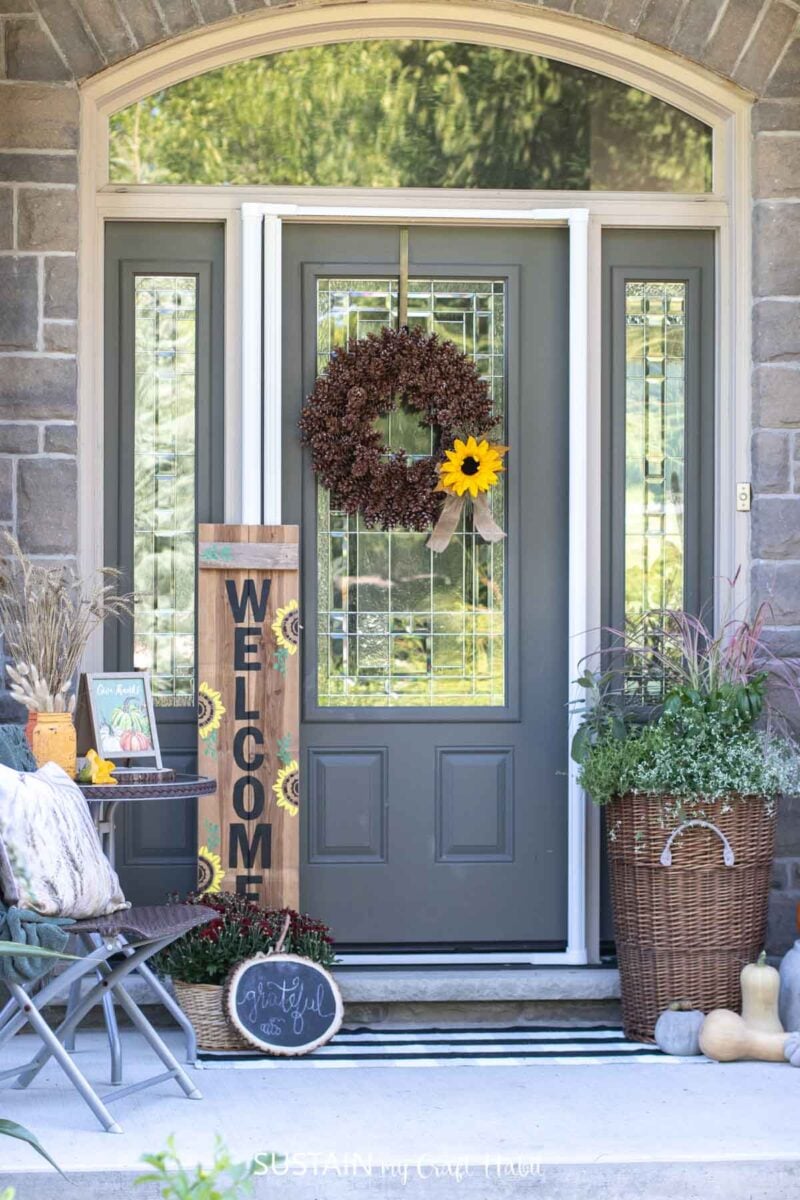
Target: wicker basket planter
[(202, 1003), (684, 928)]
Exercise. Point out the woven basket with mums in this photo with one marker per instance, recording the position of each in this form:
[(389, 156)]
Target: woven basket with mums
[(202, 1003), (690, 890)]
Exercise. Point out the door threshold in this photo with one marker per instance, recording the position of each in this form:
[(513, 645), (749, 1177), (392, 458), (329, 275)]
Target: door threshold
[(493, 958), (475, 984)]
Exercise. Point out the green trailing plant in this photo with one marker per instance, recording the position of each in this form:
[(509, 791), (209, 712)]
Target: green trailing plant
[(240, 929), (713, 733), (224, 1179)]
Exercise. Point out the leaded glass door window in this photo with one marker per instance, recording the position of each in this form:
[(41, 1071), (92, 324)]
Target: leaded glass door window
[(398, 625), (433, 733)]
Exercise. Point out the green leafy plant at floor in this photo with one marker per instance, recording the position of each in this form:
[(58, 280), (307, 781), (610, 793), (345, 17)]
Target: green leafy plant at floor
[(701, 741), (223, 1180), (239, 930)]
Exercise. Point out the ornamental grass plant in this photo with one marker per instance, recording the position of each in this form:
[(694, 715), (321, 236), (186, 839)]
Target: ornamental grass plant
[(241, 929), (683, 710)]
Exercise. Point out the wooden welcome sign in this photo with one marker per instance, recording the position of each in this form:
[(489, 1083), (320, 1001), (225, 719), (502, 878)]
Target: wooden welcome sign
[(248, 715)]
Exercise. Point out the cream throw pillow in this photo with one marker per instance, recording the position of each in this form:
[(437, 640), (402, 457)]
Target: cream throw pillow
[(51, 860)]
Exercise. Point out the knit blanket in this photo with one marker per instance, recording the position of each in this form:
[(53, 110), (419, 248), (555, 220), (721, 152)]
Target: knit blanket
[(26, 928)]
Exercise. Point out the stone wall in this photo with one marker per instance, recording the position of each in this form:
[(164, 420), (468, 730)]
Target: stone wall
[(48, 46)]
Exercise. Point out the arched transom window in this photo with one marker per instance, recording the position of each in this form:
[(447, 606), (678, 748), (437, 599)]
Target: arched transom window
[(427, 114)]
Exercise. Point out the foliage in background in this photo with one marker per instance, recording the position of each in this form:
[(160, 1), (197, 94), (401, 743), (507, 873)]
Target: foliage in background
[(47, 615), (241, 929), (702, 742), (413, 114), (223, 1180)]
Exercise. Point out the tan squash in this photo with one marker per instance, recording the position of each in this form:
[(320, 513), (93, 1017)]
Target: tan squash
[(761, 985), (726, 1038)]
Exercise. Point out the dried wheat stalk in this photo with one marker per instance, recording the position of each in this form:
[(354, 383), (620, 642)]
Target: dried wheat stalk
[(47, 615)]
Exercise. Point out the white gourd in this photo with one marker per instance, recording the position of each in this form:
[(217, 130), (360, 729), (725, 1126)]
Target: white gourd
[(725, 1038), (761, 985)]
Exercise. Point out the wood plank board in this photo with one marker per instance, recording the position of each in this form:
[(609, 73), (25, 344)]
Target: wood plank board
[(223, 555), (248, 653)]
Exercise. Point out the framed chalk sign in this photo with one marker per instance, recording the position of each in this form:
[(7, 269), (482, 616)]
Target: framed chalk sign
[(283, 1004)]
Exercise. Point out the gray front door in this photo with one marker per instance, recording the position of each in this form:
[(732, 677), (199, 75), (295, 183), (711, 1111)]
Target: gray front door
[(434, 721)]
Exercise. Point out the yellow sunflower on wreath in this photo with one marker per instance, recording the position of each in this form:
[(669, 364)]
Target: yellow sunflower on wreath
[(210, 710), (286, 627), (471, 466), (210, 871), (287, 788)]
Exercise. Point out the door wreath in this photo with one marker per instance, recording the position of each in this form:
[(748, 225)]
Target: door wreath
[(434, 378)]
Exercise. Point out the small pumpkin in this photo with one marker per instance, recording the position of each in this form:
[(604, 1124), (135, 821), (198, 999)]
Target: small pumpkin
[(678, 1029), (726, 1038), (132, 741), (761, 985)]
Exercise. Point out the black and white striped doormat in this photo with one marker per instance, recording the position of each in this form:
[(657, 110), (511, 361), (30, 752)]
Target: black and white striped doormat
[(475, 1046)]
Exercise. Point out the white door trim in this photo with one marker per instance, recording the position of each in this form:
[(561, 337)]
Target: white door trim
[(262, 392)]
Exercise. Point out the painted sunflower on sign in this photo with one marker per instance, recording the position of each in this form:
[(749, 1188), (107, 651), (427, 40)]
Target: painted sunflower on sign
[(287, 788), (210, 871), (471, 466), (286, 627), (210, 710)]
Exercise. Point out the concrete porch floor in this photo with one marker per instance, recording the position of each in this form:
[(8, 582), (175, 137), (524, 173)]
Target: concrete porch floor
[(653, 1132)]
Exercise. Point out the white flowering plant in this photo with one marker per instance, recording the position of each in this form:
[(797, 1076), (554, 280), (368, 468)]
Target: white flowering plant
[(713, 731)]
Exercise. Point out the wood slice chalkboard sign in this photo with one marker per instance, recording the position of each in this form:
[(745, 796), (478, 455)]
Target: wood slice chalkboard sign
[(283, 1004)]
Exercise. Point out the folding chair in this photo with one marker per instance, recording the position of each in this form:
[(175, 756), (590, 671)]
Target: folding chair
[(133, 935)]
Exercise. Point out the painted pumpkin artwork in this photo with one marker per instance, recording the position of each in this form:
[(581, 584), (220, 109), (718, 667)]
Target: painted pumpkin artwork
[(130, 724)]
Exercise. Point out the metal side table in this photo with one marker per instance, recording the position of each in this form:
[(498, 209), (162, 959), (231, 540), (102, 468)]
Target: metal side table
[(103, 800)]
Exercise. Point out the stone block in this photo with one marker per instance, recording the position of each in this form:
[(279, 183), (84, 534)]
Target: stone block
[(758, 60), (694, 26), (785, 79), (624, 14), (6, 219), (34, 116), (776, 114), (109, 32), (776, 331), (782, 922), (37, 388), (214, 10), (61, 439), (18, 439), (776, 166), (70, 33), (47, 505), (770, 458), (145, 22), (38, 168), (658, 20), (61, 337), (775, 530), (179, 15), (9, 7), (6, 489), (776, 249), (19, 303), (595, 10), (780, 875), (30, 54), (728, 39), (47, 219), (61, 287), (776, 397), (779, 584)]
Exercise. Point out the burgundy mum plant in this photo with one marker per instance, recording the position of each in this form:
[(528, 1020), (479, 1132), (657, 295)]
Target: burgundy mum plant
[(240, 930)]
